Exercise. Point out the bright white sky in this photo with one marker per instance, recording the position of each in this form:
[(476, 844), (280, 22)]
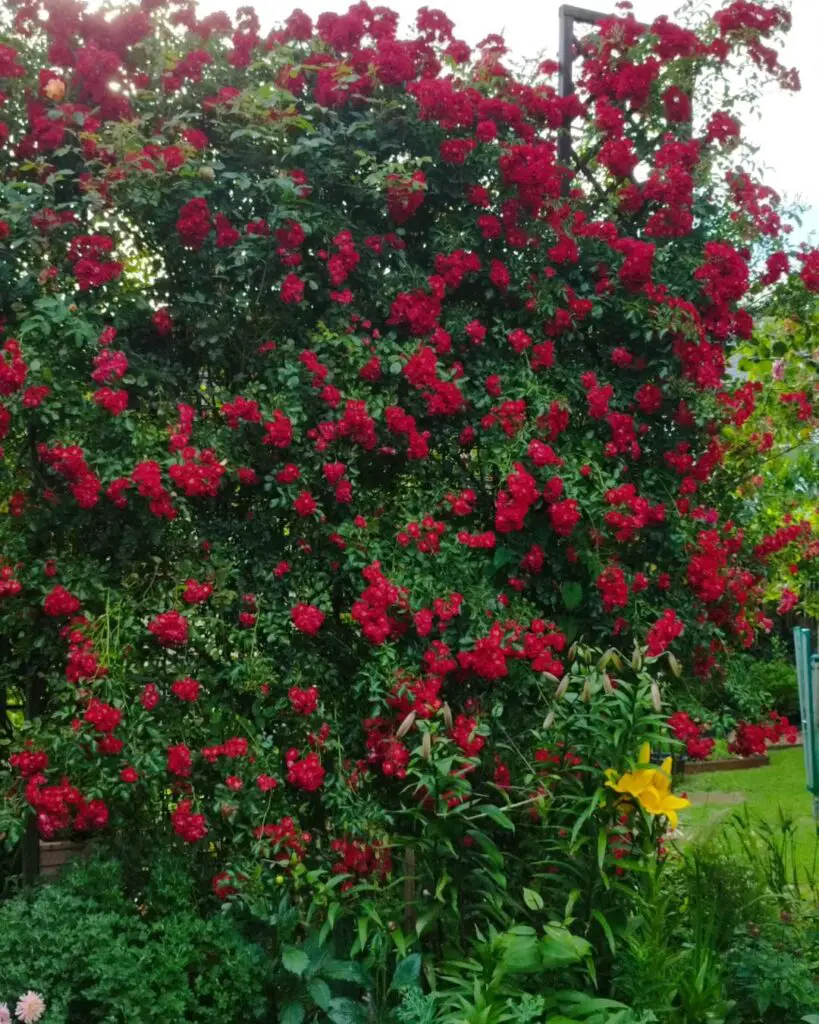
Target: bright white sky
[(787, 132)]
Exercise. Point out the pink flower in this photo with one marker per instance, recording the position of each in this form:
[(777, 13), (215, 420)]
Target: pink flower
[(30, 1008), (5, 1016)]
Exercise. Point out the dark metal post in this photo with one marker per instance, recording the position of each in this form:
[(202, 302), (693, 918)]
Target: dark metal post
[(567, 16), (565, 82)]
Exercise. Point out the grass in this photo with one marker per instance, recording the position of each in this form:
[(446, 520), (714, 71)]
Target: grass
[(778, 789)]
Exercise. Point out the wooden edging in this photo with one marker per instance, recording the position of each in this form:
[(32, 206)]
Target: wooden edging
[(726, 764), (55, 855)]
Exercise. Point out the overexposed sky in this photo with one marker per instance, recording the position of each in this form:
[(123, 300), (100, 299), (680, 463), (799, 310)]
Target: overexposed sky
[(786, 132)]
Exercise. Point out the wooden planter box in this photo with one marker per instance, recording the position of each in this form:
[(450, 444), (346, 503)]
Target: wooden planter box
[(55, 855), (726, 764)]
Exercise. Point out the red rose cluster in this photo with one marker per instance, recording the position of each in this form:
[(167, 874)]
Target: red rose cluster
[(373, 436)]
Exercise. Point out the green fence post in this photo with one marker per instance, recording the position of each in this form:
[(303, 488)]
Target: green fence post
[(807, 675)]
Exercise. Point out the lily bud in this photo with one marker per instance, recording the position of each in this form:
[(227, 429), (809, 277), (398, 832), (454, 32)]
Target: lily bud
[(406, 725), (562, 688), (656, 697), (447, 710)]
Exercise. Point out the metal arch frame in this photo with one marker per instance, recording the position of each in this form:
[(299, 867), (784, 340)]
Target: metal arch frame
[(568, 15)]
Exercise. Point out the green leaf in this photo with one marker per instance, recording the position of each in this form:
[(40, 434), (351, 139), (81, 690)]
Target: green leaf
[(503, 557), (572, 594), (295, 960), (363, 926), (345, 1011), (292, 1013), (319, 992), (400, 941), (587, 813), (532, 899), (426, 919), (521, 952), (600, 917), (559, 948), (497, 815), (407, 971), (572, 1001), (602, 845), (343, 970)]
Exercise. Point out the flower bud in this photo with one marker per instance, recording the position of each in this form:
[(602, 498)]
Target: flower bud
[(406, 725)]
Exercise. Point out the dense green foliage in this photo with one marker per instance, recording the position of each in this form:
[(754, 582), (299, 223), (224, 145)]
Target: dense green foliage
[(102, 957)]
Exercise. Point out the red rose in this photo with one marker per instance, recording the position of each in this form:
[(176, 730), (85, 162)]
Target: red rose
[(307, 618)]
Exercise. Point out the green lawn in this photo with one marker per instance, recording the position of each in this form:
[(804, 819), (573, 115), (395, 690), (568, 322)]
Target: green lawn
[(764, 791)]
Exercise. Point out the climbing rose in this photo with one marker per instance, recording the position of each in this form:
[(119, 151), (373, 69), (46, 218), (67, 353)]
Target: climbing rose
[(191, 827), (307, 618), (170, 629), (307, 774), (59, 602), (186, 690), (664, 631)]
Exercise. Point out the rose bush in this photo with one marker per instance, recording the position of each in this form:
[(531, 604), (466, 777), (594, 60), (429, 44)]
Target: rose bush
[(335, 411)]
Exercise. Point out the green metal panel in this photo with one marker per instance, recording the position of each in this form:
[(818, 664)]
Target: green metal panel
[(812, 738), (807, 673)]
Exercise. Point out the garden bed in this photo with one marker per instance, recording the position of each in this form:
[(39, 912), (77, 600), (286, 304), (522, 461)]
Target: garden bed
[(726, 764), (55, 855)]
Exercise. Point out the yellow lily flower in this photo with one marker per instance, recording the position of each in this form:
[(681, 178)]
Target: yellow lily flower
[(650, 787)]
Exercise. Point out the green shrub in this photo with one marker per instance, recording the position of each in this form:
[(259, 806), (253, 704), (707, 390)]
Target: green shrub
[(712, 894), (753, 687), (97, 955), (772, 981), (780, 681)]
